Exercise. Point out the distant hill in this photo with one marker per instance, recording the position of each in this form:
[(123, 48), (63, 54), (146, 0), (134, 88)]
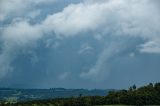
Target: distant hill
[(146, 95), (9, 94)]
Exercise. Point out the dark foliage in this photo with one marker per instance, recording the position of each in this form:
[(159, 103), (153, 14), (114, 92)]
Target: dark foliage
[(147, 95)]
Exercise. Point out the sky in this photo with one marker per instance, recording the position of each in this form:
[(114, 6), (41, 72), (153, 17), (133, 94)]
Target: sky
[(79, 43)]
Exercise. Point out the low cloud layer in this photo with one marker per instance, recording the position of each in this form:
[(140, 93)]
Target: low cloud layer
[(116, 27)]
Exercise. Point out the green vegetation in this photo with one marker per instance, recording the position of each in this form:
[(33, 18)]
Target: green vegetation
[(146, 95)]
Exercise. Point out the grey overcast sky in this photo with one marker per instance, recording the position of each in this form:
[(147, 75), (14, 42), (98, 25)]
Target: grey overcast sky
[(79, 43)]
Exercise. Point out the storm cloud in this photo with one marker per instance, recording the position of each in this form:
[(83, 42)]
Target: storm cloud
[(79, 41)]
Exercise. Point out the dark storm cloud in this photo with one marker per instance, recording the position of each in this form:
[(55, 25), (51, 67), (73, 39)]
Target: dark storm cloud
[(67, 42)]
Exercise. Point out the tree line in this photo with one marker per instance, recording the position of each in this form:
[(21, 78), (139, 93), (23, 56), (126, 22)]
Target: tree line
[(146, 95)]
